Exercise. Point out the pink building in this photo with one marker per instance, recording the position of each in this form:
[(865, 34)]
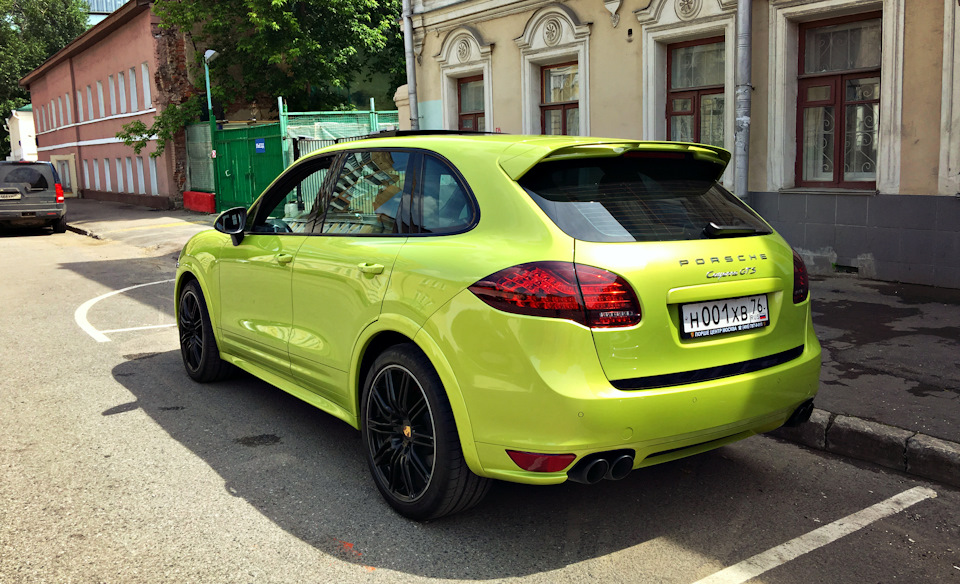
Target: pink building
[(83, 95)]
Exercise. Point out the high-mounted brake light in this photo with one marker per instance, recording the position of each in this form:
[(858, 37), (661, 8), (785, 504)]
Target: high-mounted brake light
[(590, 296), (801, 281), (59, 188)]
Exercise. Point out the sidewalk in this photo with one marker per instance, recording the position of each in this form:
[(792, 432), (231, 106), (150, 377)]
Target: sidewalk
[(890, 386)]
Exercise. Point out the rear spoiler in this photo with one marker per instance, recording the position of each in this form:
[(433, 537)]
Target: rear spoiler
[(519, 158)]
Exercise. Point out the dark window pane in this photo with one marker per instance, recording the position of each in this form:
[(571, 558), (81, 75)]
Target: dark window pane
[(471, 96), (819, 130), (367, 194), (697, 66), (860, 142), (445, 204), (561, 84), (842, 47), (635, 198)]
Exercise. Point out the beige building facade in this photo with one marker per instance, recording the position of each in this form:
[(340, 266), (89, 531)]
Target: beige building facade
[(854, 151)]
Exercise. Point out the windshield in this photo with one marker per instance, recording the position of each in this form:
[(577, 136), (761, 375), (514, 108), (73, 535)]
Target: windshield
[(657, 196)]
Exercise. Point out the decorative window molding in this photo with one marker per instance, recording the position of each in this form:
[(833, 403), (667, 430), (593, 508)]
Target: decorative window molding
[(664, 22), (949, 180), (785, 18), (464, 53), (554, 34)]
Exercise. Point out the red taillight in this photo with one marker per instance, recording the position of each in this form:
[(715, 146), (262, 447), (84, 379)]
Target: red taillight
[(801, 282), (59, 189), (541, 462), (587, 295)]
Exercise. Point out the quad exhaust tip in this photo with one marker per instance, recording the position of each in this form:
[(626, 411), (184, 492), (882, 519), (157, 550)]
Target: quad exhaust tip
[(612, 466)]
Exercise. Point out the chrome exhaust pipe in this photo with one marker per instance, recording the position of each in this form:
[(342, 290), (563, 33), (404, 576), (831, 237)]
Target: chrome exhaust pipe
[(619, 468), (589, 472)]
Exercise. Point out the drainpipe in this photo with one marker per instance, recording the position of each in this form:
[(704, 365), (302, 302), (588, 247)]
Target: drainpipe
[(741, 153), (411, 65)]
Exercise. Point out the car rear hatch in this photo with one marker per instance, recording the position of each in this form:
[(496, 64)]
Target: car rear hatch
[(27, 186), (715, 285)]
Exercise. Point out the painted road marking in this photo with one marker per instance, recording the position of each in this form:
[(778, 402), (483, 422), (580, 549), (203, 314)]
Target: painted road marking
[(162, 226), (760, 563), (80, 315)]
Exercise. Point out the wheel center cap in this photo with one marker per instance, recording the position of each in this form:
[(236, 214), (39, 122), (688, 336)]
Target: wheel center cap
[(407, 431)]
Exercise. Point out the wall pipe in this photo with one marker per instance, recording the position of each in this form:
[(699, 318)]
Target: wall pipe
[(741, 155), (411, 65)]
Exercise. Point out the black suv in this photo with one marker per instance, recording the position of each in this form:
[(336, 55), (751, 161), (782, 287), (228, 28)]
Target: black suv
[(31, 196)]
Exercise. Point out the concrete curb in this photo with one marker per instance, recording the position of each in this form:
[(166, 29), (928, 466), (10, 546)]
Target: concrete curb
[(888, 446)]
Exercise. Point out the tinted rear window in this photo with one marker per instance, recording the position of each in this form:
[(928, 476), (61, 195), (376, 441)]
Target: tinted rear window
[(34, 175), (635, 198)]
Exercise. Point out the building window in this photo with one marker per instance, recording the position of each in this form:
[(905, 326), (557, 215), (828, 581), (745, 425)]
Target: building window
[(113, 95), (103, 113), (53, 114), (129, 174), (154, 189), (63, 169), (86, 175), (839, 103), (470, 104), (145, 76), (122, 91), (119, 175), (695, 102), (79, 107), (96, 174), (106, 175), (133, 89), (141, 189), (559, 100), (66, 98)]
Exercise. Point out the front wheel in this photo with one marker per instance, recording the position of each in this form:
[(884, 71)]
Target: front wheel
[(198, 346), (411, 441)]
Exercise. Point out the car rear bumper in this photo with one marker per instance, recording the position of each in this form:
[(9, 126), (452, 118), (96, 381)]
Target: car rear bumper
[(32, 215), (536, 385)]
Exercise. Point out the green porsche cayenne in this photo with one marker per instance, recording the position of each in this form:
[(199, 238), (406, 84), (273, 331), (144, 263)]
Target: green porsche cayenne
[(525, 308)]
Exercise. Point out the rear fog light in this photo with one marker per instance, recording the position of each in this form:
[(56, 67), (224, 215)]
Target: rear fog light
[(535, 462)]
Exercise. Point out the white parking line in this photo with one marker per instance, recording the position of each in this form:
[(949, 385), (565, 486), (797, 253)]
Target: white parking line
[(760, 563), (139, 328), (80, 315)]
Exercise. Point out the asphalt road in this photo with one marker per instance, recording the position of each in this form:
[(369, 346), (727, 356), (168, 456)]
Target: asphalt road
[(116, 467)]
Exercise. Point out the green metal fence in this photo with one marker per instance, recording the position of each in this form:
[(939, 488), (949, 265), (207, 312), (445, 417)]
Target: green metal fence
[(248, 159)]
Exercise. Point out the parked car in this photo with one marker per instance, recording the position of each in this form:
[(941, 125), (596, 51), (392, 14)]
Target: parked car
[(524, 308), (31, 196)]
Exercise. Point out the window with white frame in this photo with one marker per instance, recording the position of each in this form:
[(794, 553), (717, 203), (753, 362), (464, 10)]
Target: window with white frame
[(129, 174), (79, 107), (96, 174), (695, 91), (100, 104), (554, 51), (839, 102), (141, 189), (470, 111), (154, 189), (145, 76), (466, 70), (119, 167), (113, 95), (86, 174), (122, 91), (89, 103), (106, 175), (132, 75)]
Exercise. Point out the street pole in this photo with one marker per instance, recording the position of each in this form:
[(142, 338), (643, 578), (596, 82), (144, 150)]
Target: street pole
[(741, 154), (411, 65)]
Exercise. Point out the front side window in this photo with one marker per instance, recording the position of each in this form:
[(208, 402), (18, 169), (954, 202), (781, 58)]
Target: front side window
[(367, 194), (296, 204), (470, 104), (695, 101), (839, 103), (560, 100)]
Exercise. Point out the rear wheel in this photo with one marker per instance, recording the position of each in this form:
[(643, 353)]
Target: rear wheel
[(60, 225), (411, 440), (198, 346)]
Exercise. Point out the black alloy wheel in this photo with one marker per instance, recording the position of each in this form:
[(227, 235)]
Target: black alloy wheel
[(198, 347), (401, 433), (411, 441)]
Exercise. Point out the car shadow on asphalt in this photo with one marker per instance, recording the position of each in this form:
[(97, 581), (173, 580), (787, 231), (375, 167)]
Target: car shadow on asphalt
[(304, 470)]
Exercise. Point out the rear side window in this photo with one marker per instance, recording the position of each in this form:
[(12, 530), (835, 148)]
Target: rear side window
[(32, 175), (636, 197), (444, 205), (367, 195)]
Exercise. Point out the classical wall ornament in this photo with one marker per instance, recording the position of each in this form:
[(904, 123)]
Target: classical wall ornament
[(463, 50), (552, 31), (613, 6), (688, 9)]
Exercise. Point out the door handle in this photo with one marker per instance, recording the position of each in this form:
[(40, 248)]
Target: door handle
[(284, 258), (370, 268)]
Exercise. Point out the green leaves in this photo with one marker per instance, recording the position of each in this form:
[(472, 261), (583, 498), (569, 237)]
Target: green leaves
[(30, 32)]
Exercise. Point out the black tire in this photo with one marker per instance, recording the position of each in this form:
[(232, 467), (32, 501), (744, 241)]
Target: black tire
[(410, 438), (60, 225), (198, 346)]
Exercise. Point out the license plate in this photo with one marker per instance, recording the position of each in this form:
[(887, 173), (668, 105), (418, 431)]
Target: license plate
[(9, 196), (717, 317)]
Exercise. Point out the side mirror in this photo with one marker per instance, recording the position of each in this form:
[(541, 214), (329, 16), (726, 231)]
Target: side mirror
[(232, 222)]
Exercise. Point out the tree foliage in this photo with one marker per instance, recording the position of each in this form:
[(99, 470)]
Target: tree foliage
[(31, 31), (304, 50), (308, 51)]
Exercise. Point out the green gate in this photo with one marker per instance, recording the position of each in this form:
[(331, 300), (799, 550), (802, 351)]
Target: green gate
[(248, 159)]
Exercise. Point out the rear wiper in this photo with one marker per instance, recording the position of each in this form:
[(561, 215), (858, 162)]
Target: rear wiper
[(714, 231)]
